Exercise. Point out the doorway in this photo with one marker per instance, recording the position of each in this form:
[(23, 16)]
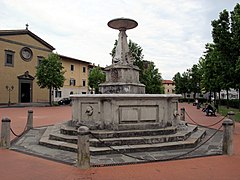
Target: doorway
[(25, 90)]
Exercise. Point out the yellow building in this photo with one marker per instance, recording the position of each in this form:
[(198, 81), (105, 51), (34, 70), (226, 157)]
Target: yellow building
[(169, 86), (76, 77), (20, 53)]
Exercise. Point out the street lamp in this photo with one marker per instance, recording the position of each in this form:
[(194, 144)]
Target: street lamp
[(9, 89)]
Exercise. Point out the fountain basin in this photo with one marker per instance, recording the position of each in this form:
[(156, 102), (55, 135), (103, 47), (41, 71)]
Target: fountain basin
[(124, 111)]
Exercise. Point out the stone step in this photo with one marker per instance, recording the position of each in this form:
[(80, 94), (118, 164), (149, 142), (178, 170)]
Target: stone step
[(180, 136), (68, 130), (138, 126), (191, 141), (121, 141), (45, 141)]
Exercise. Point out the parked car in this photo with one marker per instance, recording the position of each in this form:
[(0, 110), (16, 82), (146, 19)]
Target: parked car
[(64, 101)]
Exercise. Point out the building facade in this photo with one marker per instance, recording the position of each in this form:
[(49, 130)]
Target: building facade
[(76, 78), (20, 53), (169, 86)]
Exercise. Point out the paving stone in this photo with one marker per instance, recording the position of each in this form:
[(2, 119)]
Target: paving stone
[(118, 160), (105, 161), (148, 158), (113, 155)]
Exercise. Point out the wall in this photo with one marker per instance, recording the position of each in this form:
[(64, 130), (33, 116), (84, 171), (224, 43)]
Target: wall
[(76, 74)]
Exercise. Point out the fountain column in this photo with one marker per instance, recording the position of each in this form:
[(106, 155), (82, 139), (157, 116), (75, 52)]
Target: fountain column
[(122, 77)]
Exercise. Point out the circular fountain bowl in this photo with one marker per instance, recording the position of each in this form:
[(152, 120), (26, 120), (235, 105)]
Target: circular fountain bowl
[(122, 23)]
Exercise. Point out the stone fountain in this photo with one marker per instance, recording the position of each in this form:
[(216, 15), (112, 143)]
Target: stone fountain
[(123, 116), (123, 104)]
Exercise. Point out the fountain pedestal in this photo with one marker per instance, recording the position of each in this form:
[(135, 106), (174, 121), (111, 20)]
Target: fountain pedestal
[(122, 79)]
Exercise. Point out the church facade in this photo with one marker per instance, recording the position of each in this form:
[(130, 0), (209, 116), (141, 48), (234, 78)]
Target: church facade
[(21, 51)]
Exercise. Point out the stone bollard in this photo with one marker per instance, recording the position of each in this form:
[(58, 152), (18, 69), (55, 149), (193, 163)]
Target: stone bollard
[(30, 120), (83, 153), (182, 116), (227, 137), (231, 115), (5, 133)]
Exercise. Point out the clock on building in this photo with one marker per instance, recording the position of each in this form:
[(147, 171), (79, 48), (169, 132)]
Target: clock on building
[(26, 54)]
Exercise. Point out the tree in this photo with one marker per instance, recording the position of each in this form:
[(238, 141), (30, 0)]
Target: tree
[(50, 74), (177, 81), (219, 67), (212, 70), (136, 52), (96, 77), (235, 28), (237, 71), (195, 79), (152, 80), (186, 82), (222, 39), (182, 83)]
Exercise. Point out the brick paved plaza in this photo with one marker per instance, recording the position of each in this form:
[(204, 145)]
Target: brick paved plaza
[(15, 165)]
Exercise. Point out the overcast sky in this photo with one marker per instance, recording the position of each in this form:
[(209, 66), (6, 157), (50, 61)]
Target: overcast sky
[(171, 33)]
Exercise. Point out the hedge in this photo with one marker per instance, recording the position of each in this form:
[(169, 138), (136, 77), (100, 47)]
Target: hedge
[(234, 103)]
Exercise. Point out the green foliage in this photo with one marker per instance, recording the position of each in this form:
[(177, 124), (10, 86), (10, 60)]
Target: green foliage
[(235, 28), (195, 78), (136, 51), (223, 110), (219, 67), (50, 73), (233, 103), (152, 80), (222, 38), (181, 83), (237, 70), (178, 83), (189, 81), (212, 69), (96, 77)]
